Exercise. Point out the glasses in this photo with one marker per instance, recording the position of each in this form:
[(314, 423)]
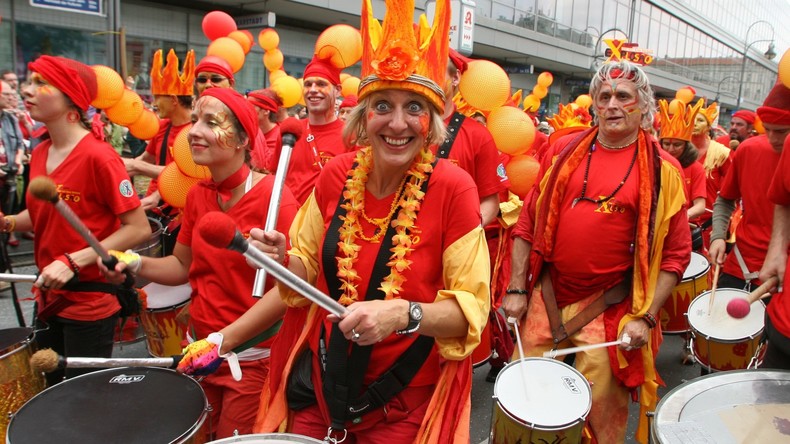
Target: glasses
[(213, 79)]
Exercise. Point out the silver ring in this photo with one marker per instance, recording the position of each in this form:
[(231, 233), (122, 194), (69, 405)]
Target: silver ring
[(354, 335)]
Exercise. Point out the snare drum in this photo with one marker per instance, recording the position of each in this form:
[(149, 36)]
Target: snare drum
[(695, 281), (719, 341), (152, 247), (744, 406), (130, 405), (552, 408), (163, 332), (269, 438), (18, 381)]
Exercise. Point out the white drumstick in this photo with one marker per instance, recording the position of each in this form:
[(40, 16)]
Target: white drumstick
[(514, 321), (568, 351)]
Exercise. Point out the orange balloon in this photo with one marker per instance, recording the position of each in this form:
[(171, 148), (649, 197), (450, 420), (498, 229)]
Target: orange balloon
[(174, 185), (274, 75), (268, 39), (341, 44), (540, 91), (685, 95), (146, 127), (523, 172), (784, 69), (182, 156), (675, 105), (273, 60), (109, 87), (512, 130), (545, 79), (218, 24), (127, 110), (350, 86), (289, 90), (229, 50), (344, 76), (241, 38), (531, 103), (484, 85), (584, 101)]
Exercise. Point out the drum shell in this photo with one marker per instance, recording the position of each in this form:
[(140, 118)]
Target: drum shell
[(152, 247), (164, 332), (268, 438), (507, 428), (18, 381), (126, 405), (695, 281)]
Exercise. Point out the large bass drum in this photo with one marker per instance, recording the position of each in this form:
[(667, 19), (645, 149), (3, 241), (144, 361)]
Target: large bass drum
[(18, 381), (269, 438)]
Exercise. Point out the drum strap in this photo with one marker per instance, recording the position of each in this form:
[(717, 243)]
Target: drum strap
[(748, 276), (453, 128), (560, 331)]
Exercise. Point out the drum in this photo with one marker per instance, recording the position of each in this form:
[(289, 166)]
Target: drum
[(552, 408), (269, 438), (18, 381), (695, 281), (719, 341), (745, 406), (151, 247), (163, 332), (130, 405), (128, 331), (483, 351)]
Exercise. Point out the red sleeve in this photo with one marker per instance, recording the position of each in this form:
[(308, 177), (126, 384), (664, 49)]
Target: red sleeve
[(489, 171), (696, 174), (676, 252), (730, 186), (779, 191), (114, 174)]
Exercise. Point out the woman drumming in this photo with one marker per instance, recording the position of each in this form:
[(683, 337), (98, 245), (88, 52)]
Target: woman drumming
[(91, 180), (221, 280), (395, 236)]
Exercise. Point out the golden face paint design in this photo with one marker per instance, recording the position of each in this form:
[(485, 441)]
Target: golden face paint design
[(425, 124), (41, 85), (222, 127)]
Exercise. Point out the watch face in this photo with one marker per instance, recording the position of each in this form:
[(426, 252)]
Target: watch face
[(416, 311)]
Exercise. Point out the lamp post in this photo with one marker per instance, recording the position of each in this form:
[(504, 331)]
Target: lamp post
[(718, 88), (769, 54)]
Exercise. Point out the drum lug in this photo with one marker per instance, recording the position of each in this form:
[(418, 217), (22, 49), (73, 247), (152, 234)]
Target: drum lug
[(650, 414)]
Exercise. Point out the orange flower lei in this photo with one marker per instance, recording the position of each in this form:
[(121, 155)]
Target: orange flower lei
[(406, 231)]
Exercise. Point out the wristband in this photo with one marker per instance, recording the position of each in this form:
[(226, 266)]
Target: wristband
[(516, 291), (650, 319), (9, 224), (73, 265)]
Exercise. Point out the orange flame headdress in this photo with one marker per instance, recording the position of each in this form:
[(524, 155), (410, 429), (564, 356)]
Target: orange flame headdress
[(570, 116), (167, 81), (679, 125), (711, 112), (398, 56)]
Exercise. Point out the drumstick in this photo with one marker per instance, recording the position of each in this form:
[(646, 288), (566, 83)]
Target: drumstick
[(219, 230), (581, 348), (291, 130), (739, 308), (713, 290), (514, 321), (10, 277), (47, 361), (43, 188)]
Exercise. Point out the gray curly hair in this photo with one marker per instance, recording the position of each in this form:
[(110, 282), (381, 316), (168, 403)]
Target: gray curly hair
[(627, 70)]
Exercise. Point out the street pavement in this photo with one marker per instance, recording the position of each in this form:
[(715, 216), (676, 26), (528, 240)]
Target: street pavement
[(669, 358)]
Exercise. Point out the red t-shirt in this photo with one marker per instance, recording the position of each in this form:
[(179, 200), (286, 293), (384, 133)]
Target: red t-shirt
[(306, 163), (475, 152), (154, 147), (694, 178), (93, 182), (753, 167), (779, 194), (451, 194), (713, 183), (724, 140), (221, 280), (274, 146)]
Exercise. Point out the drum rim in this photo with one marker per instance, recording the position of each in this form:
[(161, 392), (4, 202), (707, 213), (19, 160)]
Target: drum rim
[(699, 275), (18, 346), (535, 426), (262, 436), (179, 440), (697, 331), (169, 308)]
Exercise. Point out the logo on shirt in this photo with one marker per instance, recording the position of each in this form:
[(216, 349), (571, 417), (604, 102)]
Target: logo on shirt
[(609, 207), (126, 188), (68, 195), (500, 171)]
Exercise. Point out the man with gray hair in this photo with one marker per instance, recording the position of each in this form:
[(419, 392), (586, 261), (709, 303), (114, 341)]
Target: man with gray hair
[(603, 239)]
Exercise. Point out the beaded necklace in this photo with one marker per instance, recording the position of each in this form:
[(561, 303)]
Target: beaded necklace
[(587, 172)]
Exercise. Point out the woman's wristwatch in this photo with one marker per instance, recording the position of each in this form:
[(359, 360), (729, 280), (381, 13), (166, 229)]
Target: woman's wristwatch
[(415, 317)]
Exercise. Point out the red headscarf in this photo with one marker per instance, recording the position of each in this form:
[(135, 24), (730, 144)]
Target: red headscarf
[(240, 107), (349, 101), (748, 116), (261, 100), (460, 62), (776, 107), (76, 80), (214, 64), (324, 69)]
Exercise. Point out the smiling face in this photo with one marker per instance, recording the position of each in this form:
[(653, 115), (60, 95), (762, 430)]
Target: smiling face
[(397, 124), (43, 101), (214, 137), (208, 79), (618, 109), (319, 96)]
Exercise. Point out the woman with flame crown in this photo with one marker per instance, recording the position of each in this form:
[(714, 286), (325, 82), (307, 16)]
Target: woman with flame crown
[(395, 236)]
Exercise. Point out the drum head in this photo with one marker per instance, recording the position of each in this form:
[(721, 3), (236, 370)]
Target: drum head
[(166, 296), (719, 324), (556, 394), (698, 266), (268, 438), (9, 337), (129, 405)]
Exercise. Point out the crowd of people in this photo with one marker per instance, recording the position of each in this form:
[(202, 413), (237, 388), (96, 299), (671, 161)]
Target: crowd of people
[(389, 205)]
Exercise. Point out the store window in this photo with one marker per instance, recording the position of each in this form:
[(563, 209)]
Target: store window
[(33, 41)]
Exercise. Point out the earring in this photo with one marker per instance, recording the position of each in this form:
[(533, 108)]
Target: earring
[(73, 117)]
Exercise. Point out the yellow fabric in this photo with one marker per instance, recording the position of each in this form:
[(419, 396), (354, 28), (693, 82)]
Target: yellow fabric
[(307, 229), (510, 210), (716, 155)]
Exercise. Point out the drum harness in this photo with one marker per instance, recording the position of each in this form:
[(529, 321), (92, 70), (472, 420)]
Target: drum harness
[(343, 374)]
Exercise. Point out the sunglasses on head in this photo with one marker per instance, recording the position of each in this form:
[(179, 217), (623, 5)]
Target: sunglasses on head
[(213, 79)]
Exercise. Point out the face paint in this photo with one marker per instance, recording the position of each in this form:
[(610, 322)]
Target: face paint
[(425, 124), (224, 130)]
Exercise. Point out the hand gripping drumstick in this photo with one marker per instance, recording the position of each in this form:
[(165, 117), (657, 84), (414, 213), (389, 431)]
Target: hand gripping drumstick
[(291, 130), (739, 308), (43, 188), (218, 229), (47, 361), (10, 277)]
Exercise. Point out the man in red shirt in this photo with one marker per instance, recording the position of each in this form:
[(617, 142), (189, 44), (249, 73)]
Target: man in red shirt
[(753, 166), (741, 128), (267, 103), (605, 234), (173, 101), (322, 137)]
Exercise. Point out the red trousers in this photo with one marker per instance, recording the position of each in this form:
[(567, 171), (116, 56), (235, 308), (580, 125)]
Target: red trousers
[(234, 404)]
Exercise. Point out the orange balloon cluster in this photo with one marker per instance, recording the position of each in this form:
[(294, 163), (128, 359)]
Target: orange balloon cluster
[(218, 24), (784, 69), (145, 127), (340, 44), (484, 85), (109, 87), (685, 94), (512, 130), (289, 89), (127, 110), (122, 105), (182, 157), (182, 174), (522, 171), (229, 50), (227, 42)]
